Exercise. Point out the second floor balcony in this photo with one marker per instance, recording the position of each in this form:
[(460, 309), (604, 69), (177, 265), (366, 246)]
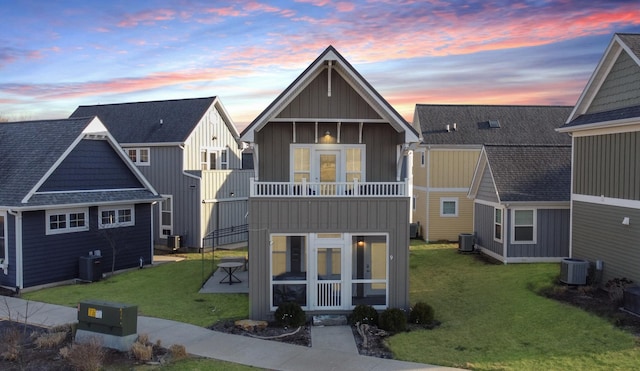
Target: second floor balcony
[(326, 189)]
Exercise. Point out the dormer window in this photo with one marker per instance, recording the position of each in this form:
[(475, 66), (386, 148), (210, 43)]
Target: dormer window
[(139, 156), (214, 158)]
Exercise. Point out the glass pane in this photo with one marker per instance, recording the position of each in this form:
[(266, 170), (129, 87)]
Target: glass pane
[(329, 264), (524, 217), (288, 258), (353, 160), (296, 293), (132, 154), (213, 164), (369, 257), (166, 219), (328, 168), (144, 155), (369, 294), (499, 216), (498, 231), (448, 207), (301, 162), (524, 233)]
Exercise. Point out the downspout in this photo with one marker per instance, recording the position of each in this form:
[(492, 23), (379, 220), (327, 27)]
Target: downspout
[(18, 231)]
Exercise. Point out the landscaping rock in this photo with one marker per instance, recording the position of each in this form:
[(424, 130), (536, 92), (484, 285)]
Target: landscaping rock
[(251, 325)]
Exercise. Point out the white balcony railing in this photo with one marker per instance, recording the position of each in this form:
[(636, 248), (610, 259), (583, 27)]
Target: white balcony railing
[(323, 189)]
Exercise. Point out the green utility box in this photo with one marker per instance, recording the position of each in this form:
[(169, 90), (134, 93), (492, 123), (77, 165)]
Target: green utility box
[(108, 318)]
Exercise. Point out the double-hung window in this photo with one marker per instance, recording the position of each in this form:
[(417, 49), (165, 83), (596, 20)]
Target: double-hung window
[(67, 221), (115, 217), (139, 156), (497, 224), (524, 226)]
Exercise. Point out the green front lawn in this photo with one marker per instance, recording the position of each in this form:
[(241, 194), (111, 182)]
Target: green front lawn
[(491, 316)]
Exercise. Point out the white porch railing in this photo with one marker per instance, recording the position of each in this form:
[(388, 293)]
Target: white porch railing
[(323, 189), (329, 294)]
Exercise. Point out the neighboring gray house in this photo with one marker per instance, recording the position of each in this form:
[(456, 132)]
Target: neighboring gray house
[(521, 202), (189, 151), (67, 190), (444, 162), (329, 208), (605, 129)]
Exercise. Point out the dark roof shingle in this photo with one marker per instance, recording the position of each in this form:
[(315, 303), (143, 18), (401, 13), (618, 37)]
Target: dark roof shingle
[(166, 121), (518, 124), (531, 173)]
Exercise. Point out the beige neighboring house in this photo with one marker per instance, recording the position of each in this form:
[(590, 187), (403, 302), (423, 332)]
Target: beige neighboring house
[(445, 161)]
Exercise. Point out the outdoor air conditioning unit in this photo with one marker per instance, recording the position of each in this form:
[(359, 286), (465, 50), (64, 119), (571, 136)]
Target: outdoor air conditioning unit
[(574, 271), (465, 242)]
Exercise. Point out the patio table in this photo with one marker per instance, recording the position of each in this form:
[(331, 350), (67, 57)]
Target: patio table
[(229, 269)]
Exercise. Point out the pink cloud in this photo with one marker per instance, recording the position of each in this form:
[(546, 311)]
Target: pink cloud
[(345, 7), (147, 17)]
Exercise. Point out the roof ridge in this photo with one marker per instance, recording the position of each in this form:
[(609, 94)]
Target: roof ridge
[(150, 101)]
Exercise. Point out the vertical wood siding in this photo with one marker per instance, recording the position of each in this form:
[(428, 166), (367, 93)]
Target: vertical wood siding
[(101, 168), (598, 234), (483, 224), (452, 169), (420, 214), (608, 165), (358, 215), (313, 102), (621, 87), (552, 236), (211, 125), (487, 189), (55, 258), (165, 174), (274, 140)]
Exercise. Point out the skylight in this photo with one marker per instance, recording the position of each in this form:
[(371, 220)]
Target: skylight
[(494, 123)]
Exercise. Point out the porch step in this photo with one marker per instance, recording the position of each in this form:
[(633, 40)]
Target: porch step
[(330, 320)]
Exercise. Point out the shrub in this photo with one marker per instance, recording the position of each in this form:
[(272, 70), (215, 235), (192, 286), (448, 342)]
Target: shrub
[(616, 287), (421, 313), (393, 320), (87, 356), (177, 352), (290, 314), (364, 314), (11, 343), (50, 339), (142, 352)]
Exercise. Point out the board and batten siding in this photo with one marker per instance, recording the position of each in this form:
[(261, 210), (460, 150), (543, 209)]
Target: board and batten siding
[(552, 236), (621, 88), (484, 227), (452, 168), (598, 234), (212, 125), (313, 101), (101, 168), (55, 258), (608, 165), (274, 141), (487, 189), (447, 228), (166, 176), (327, 215)]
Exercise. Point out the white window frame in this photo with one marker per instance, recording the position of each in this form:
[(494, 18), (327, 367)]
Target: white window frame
[(449, 199), (534, 226), (221, 164), (4, 261), (118, 211), (501, 224), (161, 227), (67, 215), (138, 156)]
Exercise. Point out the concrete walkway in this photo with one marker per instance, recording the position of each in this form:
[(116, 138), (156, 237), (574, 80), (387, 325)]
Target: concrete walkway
[(202, 342)]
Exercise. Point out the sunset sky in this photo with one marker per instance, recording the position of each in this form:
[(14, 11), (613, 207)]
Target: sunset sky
[(56, 55)]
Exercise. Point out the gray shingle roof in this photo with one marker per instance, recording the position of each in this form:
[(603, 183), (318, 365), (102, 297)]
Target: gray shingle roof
[(29, 149), (518, 124), (606, 116), (166, 121), (531, 173), (632, 40)]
